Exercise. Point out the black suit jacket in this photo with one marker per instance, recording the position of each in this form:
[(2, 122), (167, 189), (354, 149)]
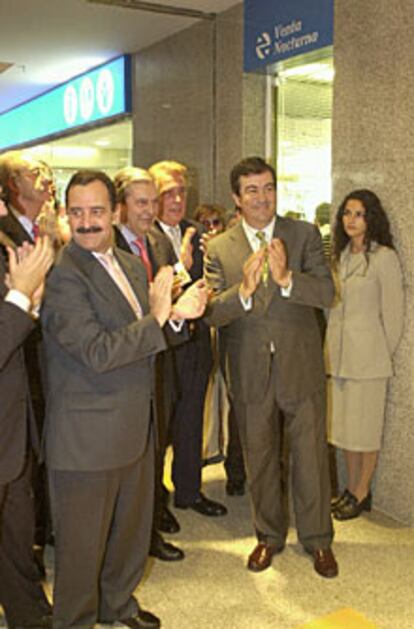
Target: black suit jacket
[(14, 230), (15, 326)]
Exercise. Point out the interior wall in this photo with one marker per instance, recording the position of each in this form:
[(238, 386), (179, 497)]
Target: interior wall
[(193, 103), (373, 147)]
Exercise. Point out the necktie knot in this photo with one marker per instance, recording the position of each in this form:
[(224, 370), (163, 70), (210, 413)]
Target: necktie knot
[(261, 236)]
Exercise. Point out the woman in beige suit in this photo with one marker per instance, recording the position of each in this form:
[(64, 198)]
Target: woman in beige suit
[(364, 328)]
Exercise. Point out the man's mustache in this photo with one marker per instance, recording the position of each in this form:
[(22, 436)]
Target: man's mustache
[(93, 229)]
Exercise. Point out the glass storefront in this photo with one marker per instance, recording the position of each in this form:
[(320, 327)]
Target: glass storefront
[(303, 122)]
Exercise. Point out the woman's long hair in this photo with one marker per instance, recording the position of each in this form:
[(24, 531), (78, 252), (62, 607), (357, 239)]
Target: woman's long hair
[(378, 226)]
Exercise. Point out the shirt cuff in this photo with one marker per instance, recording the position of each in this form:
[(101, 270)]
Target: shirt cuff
[(182, 273), (18, 299), (176, 326), (287, 290), (246, 303)]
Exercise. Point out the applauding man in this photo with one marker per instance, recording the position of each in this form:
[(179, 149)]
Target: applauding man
[(267, 275)]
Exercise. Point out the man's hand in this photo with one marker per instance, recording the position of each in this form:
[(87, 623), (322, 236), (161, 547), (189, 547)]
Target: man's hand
[(252, 273), (205, 239), (186, 252), (28, 267), (192, 302), (278, 263), (160, 294)]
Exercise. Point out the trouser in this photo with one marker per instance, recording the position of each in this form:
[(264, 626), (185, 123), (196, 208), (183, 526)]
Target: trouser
[(102, 522), (193, 362), (305, 425), (21, 593)]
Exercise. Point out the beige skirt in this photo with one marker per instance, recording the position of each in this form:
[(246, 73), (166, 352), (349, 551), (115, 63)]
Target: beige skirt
[(356, 413)]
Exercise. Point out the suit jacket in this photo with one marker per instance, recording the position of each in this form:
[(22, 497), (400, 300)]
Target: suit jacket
[(289, 324), (10, 225), (99, 363), (160, 249), (13, 231), (15, 325), (196, 270), (366, 322)]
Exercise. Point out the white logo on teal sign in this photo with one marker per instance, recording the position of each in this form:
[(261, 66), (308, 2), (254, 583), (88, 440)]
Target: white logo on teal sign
[(105, 91), (70, 104)]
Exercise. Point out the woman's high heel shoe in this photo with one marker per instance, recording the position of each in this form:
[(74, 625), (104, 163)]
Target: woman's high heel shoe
[(351, 508), (339, 500)]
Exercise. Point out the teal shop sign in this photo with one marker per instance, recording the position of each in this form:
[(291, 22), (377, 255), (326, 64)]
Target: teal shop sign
[(278, 29), (101, 93)]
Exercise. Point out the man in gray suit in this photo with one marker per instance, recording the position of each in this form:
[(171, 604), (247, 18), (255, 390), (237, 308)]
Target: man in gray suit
[(268, 274), (101, 333)]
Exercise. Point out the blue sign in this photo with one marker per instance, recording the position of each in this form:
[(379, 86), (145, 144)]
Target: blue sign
[(101, 93), (279, 29)]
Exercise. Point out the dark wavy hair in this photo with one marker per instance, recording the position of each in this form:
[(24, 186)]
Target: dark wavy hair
[(378, 226)]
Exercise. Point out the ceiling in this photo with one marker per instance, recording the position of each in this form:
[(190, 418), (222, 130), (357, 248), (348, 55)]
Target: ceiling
[(49, 41)]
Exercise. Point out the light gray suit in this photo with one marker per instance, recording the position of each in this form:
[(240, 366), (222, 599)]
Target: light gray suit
[(274, 360), (98, 435)]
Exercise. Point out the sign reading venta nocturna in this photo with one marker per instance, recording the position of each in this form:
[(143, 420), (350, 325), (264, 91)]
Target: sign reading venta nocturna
[(278, 29)]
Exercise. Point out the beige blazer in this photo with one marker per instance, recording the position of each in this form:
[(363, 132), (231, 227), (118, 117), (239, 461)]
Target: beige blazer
[(366, 322)]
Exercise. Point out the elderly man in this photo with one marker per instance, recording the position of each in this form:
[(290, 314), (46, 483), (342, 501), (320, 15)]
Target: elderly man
[(21, 594), (268, 274), (26, 185), (101, 333), (137, 199), (194, 359)]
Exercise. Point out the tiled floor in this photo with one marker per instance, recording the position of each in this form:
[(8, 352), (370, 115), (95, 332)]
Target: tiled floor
[(212, 588)]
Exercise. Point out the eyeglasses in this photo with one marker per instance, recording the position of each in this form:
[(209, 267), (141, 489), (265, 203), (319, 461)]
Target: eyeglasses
[(356, 214), (211, 222)]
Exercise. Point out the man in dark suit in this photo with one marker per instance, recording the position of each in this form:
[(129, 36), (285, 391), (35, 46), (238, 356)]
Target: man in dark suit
[(137, 199), (194, 359), (101, 333), (26, 185), (21, 594), (268, 275)]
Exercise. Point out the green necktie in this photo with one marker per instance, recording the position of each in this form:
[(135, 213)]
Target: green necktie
[(263, 244)]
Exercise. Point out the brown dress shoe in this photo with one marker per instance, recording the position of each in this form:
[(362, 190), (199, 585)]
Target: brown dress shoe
[(324, 563), (261, 557)]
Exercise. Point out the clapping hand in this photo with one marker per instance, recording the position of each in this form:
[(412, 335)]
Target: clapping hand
[(278, 263), (192, 302), (252, 273), (160, 294)]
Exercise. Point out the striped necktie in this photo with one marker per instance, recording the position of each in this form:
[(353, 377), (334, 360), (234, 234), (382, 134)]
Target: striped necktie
[(263, 243)]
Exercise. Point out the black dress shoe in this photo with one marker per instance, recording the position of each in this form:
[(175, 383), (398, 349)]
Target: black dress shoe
[(235, 488), (143, 620), (351, 508), (337, 501), (168, 522), (204, 506), (165, 551)]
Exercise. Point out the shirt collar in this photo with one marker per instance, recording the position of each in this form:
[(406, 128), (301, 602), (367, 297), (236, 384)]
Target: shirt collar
[(251, 232)]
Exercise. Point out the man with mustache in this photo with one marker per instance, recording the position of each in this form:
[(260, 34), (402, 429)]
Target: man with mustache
[(102, 330)]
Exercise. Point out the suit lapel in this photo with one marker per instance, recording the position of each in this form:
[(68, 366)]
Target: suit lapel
[(12, 227), (101, 280)]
